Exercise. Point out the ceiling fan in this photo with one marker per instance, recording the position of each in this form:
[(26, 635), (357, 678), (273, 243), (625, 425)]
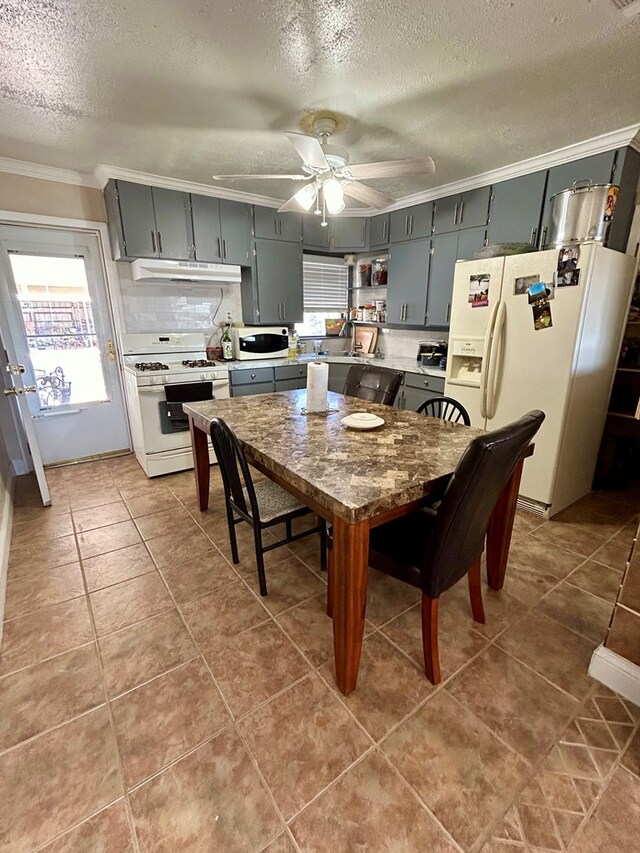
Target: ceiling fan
[(329, 176)]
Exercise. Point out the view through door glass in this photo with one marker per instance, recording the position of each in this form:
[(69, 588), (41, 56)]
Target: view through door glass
[(58, 320)]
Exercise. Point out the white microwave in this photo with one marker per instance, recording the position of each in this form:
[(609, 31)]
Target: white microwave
[(260, 342)]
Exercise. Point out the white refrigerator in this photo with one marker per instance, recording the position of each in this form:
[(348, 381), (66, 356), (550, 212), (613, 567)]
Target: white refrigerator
[(500, 365)]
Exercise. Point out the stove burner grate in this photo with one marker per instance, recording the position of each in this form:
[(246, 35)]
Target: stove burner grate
[(150, 365), (198, 362)]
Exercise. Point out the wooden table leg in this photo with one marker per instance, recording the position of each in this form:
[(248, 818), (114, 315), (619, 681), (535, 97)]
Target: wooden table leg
[(500, 529), (349, 568), (201, 463)]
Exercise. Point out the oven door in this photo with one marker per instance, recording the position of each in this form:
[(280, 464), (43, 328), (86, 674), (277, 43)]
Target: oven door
[(164, 424)]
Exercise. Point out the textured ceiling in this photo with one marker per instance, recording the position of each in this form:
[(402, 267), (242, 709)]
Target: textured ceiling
[(188, 88)]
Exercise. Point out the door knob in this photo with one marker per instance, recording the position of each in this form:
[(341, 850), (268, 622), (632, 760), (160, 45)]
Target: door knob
[(9, 391), (18, 392), (111, 353)]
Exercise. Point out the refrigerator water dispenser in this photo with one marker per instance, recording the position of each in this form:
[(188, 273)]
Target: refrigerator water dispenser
[(465, 361)]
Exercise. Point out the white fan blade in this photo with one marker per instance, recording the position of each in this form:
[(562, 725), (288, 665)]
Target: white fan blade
[(260, 177), (309, 148), (367, 195), (292, 204), (393, 168)]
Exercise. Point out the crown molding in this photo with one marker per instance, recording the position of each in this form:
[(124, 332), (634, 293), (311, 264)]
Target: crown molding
[(103, 173), (626, 136), (47, 173)]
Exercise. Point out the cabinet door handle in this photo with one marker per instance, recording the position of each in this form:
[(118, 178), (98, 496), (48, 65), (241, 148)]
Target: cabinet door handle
[(411, 223), (461, 213), (384, 230), (426, 382), (159, 243), (219, 248), (153, 242), (455, 214), (275, 225), (284, 310), (406, 225), (543, 237), (224, 249), (532, 239), (253, 376), (448, 312)]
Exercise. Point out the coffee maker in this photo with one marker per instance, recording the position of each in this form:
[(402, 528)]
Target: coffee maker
[(431, 353)]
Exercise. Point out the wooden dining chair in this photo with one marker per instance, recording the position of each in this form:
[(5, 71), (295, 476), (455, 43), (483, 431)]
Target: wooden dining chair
[(261, 504), (373, 383), (446, 409), (433, 549)]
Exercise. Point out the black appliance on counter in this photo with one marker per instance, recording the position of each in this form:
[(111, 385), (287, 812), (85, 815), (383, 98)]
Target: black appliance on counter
[(430, 353)]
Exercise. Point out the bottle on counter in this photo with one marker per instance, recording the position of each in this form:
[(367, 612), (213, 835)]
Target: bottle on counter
[(227, 344), (293, 344)]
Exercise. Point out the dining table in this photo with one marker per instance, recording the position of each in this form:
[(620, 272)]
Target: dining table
[(354, 479)]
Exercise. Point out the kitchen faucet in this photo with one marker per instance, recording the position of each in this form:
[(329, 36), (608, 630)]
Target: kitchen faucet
[(342, 333)]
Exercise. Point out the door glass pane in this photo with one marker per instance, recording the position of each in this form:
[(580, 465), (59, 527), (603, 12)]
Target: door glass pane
[(58, 322)]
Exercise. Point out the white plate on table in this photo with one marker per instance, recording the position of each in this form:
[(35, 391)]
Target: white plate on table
[(362, 420)]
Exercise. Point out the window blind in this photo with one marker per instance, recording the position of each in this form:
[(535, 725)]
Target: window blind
[(325, 283)]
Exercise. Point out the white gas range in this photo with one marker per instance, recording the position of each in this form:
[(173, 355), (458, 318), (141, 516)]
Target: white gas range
[(161, 372)]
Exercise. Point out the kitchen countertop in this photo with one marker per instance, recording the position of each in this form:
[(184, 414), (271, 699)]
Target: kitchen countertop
[(352, 474), (408, 365)]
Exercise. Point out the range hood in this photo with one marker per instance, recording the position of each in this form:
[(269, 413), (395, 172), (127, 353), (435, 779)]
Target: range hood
[(155, 269)]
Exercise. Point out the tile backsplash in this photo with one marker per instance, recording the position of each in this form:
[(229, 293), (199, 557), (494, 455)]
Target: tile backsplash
[(403, 343), (174, 306)]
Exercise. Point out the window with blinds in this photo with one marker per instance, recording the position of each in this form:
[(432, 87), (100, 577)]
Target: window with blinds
[(325, 284)]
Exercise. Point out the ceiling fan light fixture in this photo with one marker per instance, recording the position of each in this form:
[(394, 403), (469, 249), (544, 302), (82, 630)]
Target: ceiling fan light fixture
[(306, 196), (333, 195)]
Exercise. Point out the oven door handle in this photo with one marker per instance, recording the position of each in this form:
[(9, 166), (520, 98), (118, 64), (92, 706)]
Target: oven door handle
[(151, 389)]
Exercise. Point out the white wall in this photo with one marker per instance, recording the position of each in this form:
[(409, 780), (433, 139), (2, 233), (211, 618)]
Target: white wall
[(166, 306)]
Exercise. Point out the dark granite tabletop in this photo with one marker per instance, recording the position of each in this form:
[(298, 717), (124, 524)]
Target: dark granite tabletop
[(352, 474)]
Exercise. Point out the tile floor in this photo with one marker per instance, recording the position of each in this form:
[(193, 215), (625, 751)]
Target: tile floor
[(151, 700)]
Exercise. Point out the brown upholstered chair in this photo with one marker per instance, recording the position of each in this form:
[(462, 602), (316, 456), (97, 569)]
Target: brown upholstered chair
[(262, 504), (373, 383), (434, 548)]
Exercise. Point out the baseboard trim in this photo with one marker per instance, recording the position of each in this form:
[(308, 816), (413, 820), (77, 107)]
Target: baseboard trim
[(617, 673), (6, 520)]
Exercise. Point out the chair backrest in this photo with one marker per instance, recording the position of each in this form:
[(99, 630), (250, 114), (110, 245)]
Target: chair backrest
[(462, 520), (373, 383), (445, 408), (236, 475)]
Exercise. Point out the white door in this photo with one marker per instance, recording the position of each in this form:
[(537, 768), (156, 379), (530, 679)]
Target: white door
[(535, 368), (55, 322)]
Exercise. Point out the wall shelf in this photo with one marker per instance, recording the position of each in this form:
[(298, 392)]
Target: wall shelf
[(628, 369), (369, 287)]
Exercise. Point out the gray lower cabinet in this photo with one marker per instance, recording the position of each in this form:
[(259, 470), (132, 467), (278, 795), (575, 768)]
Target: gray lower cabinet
[(349, 233), (147, 222), (338, 376), (221, 230), (411, 223), (516, 207), (408, 280), (379, 231), (272, 286), (271, 225), (465, 210), (291, 377), (245, 381), (417, 388)]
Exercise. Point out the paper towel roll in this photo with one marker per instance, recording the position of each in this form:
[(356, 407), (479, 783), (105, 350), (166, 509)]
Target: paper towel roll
[(317, 386)]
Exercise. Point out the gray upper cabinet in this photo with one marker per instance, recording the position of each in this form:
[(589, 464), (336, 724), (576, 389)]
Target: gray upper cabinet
[(597, 169), (411, 223), (314, 235), (516, 207), (379, 231), (446, 249), (235, 230), (147, 222), (272, 289), (221, 230), (408, 277), (443, 261), (205, 214), (270, 225), (172, 223), (349, 232), (466, 210)]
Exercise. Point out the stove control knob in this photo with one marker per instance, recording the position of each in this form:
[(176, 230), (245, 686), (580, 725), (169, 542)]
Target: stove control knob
[(152, 380), (203, 376)]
